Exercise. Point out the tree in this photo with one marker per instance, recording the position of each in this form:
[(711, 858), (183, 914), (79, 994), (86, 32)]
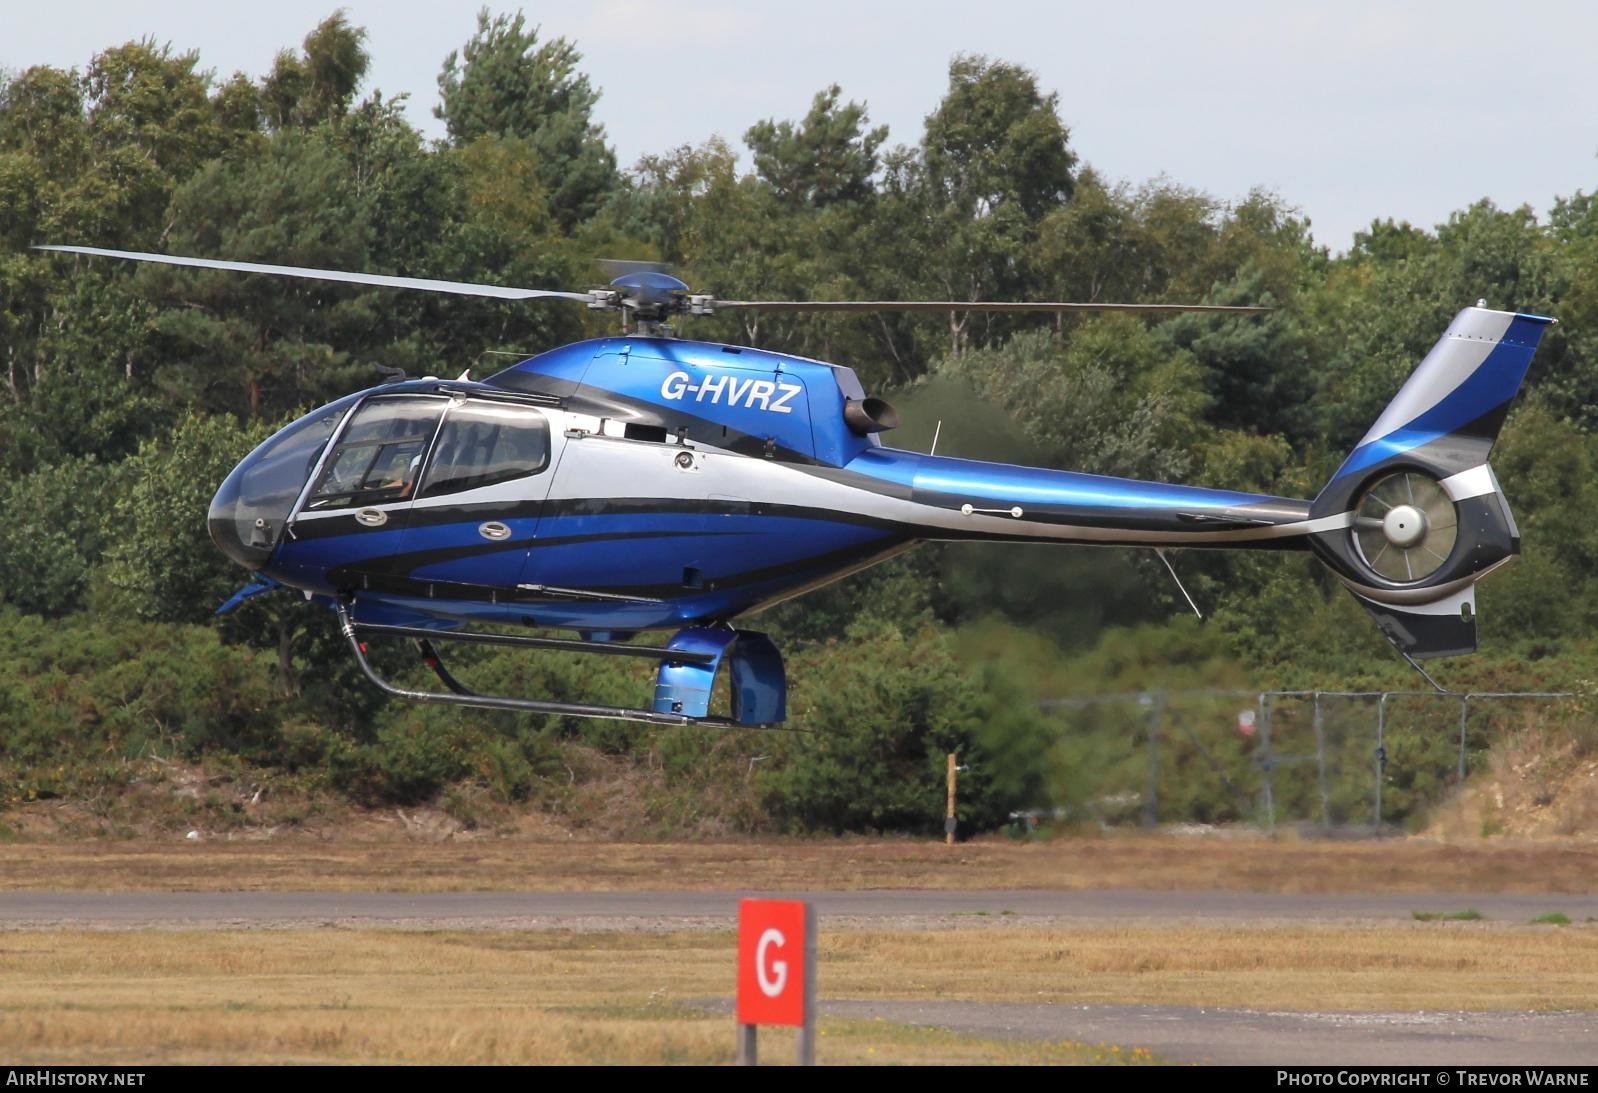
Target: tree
[(335, 63), (1256, 369), (160, 562), (1093, 248), (150, 123), (1110, 400), (502, 82), (493, 224), (256, 345), (883, 719), (997, 143), (993, 162), (317, 85), (53, 527), (827, 158), (41, 112)]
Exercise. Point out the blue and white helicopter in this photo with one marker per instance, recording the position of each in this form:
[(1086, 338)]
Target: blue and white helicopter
[(646, 482)]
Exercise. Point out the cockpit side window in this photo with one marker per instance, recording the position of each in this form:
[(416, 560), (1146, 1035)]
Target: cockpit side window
[(380, 453), (483, 444)]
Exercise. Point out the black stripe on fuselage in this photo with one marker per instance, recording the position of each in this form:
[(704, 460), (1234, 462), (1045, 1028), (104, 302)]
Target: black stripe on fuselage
[(420, 516), (353, 578)]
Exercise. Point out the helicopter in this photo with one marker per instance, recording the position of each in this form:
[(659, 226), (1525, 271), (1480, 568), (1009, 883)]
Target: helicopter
[(646, 482)]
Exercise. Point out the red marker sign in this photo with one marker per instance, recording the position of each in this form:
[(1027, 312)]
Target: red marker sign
[(777, 970), (771, 962)]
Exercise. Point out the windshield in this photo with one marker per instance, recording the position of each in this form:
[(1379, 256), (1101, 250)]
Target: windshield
[(250, 508), (379, 456)]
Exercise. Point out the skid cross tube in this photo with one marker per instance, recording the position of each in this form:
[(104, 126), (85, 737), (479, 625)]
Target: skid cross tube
[(462, 696)]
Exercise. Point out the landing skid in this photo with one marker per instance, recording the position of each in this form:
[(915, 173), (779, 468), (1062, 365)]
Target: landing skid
[(688, 667)]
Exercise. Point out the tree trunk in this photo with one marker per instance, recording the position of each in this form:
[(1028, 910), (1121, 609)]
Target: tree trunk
[(957, 339), (285, 659)]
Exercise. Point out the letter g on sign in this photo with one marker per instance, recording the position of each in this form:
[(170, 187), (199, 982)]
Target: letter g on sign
[(770, 986)]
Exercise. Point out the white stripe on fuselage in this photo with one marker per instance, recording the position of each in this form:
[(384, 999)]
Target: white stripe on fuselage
[(596, 467)]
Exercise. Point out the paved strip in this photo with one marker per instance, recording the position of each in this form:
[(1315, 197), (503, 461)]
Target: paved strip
[(1192, 1034), (667, 910)]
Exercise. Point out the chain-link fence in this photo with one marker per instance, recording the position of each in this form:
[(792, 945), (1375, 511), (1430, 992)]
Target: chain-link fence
[(1332, 759)]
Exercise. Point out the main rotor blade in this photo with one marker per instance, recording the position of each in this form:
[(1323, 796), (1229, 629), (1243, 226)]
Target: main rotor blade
[(975, 305), (459, 288)]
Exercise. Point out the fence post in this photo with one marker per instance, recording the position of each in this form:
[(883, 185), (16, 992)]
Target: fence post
[(1381, 754), (1155, 701), (1266, 761), (1320, 765), (1464, 721)]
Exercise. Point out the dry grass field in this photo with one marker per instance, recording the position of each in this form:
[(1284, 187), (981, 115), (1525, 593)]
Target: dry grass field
[(574, 997), (518, 864), (600, 996), (374, 996)]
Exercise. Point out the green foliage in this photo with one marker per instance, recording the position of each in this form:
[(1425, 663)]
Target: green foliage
[(54, 525), (1469, 914), (828, 158), (255, 344), (503, 82), (996, 142), (993, 162), (80, 688), (159, 562), (326, 77), (1107, 401), (883, 712)]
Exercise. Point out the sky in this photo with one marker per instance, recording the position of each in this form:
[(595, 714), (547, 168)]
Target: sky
[(1349, 111)]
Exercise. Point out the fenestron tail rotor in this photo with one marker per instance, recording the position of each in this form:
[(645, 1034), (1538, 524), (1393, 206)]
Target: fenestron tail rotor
[(1405, 526)]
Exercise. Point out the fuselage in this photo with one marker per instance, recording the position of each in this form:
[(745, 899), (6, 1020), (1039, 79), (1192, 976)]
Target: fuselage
[(634, 483)]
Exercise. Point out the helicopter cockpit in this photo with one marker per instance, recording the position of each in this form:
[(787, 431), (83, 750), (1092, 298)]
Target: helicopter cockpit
[(380, 458)]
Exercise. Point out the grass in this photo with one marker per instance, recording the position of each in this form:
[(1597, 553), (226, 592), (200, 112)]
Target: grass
[(319, 996), (1469, 914), (523, 864), (452, 997), (1552, 918)]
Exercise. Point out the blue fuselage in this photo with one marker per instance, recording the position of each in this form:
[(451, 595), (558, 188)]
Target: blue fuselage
[(634, 483)]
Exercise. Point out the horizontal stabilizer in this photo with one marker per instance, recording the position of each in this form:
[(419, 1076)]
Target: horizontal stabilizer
[(1445, 628)]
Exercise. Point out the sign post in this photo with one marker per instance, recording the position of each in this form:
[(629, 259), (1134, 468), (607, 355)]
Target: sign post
[(776, 973), (948, 820)]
